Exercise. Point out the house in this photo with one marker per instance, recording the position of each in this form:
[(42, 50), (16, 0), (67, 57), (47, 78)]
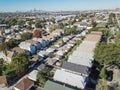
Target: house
[(83, 33), (41, 66), (35, 43), (65, 49), (33, 75), (59, 44), (65, 39), (84, 54), (70, 79), (77, 24), (81, 58), (58, 32), (34, 60), (72, 41), (4, 25), (102, 24), (7, 31), (76, 68), (3, 81), (28, 46), (59, 54), (42, 41), (43, 53), (52, 85), (52, 61), (52, 37), (46, 39), (50, 50), (7, 56), (24, 84)]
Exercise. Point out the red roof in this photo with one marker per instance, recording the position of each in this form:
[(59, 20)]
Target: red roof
[(24, 84)]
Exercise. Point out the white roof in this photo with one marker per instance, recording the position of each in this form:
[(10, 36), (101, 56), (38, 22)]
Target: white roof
[(70, 78), (49, 50), (42, 53), (82, 58), (60, 52), (25, 45), (33, 75), (84, 54)]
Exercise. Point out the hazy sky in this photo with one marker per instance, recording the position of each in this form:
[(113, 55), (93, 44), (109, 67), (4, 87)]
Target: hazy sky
[(51, 5)]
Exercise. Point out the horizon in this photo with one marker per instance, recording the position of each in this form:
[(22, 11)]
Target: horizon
[(54, 5)]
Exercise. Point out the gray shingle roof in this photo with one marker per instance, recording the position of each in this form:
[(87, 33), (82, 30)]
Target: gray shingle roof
[(50, 85), (76, 68)]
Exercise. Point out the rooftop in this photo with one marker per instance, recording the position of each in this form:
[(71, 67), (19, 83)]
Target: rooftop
[(24, 84), (51, 85), (70, 78), (76, 68)]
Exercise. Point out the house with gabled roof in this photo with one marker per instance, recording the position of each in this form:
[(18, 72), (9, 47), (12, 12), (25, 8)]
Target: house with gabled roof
[(24, 84)]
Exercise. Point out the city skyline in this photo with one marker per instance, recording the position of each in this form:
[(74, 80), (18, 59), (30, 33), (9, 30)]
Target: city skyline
[(57, 5)]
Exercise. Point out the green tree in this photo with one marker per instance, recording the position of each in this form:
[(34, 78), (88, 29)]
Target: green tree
[(107, 54), (103, 73), (38, 25), (26, 36), (20, 63), (94, 23), (41, 78), (21, 22), (43, 32), (70, 30), (28, 27), (12, 43), (52, 20)]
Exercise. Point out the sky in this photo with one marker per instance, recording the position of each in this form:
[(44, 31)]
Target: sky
[(57, 5)]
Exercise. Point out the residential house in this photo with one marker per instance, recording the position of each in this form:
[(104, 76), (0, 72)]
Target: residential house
[(28, 46), (42, 41), (41, 67), (65, 49), (59, 54), (35, 43), (77, 24), (102, 24), (84, 55), (52, 61), (7, 31), (76, 69), (24, 84), (35, 59), (70, 79), (52, 85), (58, 32), (50, 50), (7, 56), (33, 75), (43, 53)]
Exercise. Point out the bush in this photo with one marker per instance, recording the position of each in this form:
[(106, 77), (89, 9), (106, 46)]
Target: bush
[(103, 73)]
